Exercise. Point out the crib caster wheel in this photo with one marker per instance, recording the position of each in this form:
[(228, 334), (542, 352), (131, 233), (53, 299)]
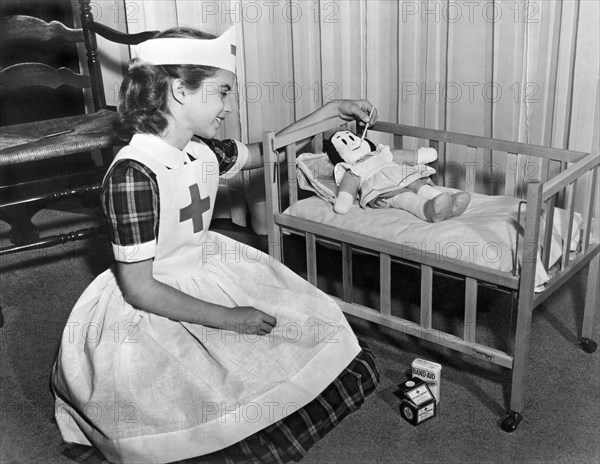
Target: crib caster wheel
[(511, 422), (589, 346)]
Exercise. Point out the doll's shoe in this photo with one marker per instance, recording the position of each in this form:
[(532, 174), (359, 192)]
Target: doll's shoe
[(439, 208), (460, 201), (426, 155)]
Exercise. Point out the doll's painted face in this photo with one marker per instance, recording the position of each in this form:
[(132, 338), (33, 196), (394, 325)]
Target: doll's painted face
[(349, 147)]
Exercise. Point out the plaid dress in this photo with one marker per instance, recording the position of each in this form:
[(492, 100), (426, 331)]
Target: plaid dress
[(133, 205)]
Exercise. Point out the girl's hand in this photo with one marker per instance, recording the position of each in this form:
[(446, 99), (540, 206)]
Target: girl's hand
[(356, 109), (249, 320)]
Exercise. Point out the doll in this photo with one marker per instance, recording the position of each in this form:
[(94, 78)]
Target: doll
[(382, 178)]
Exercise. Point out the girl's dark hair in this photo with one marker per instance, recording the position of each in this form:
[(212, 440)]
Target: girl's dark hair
[(144, 92), (333, 154)]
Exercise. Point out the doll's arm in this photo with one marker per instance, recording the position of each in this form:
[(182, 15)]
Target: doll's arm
[(347, 193), (423, 155)]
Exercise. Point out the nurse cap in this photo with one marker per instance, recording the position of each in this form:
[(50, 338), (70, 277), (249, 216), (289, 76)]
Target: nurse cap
[(218, 53)]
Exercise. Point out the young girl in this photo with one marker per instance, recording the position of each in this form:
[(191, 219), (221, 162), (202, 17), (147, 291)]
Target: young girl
[(195, 345)]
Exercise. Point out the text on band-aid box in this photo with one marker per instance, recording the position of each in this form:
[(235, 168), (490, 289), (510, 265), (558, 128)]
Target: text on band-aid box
[(430, 372)]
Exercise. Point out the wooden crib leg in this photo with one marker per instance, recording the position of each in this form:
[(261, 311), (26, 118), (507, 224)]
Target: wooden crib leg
[(524, 306), (591, 305), (521, 353)]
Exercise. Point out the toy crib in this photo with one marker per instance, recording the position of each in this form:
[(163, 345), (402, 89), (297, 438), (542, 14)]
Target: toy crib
[(547, 245)]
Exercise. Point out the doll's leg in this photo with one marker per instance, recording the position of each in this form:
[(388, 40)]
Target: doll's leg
[(430, 210), (427, 189), (438, 208), (460, 201)]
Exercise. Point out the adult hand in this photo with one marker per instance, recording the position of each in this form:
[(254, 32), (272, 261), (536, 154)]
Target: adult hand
[(249, 320), (356, 109)]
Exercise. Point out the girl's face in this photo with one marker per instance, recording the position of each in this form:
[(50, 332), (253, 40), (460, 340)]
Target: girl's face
[(206, 108)]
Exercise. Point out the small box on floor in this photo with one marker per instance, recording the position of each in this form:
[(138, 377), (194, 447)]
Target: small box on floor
[(430, 372), (417, 403)]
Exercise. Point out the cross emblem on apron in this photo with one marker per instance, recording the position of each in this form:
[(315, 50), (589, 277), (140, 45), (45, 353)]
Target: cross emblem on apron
[(195, 209)]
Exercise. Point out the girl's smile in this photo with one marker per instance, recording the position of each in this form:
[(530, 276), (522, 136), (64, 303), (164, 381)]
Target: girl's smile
[(211, 103), (201, 112)]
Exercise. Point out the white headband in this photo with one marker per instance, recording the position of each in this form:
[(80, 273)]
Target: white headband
[(218, 53)]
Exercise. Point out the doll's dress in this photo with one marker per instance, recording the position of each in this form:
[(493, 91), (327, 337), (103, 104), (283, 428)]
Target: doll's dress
[(144, 388), (380, 176)]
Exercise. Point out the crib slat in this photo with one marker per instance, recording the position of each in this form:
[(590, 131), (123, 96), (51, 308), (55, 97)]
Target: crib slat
[(436, 164), (347, 271), (272, 195), (521, 172), (318, 143), (561, 198), (545, 169), (398, 142), (290, 156), (595, 227), (566, 250), (426, 296), (471, 169), (564, 196), (511, 177), (547, 237), (311, 258), (385, 284), (470, 310), (589, 210)]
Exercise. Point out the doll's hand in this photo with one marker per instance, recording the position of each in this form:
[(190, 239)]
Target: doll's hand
[(249, 320), (356, 109)]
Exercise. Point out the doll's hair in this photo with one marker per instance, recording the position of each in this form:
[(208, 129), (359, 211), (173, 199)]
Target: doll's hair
[(144, 92), (332, 152)]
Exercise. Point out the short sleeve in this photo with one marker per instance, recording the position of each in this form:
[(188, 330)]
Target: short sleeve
[(130, 204), (231, 155)]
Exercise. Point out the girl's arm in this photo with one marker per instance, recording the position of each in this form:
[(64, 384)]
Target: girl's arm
[(347, 110), (142, 290)]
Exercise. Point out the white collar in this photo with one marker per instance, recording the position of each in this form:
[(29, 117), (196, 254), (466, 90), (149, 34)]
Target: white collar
[(161, 151)]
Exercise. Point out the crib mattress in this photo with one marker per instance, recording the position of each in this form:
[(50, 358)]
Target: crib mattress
[(486, 234)]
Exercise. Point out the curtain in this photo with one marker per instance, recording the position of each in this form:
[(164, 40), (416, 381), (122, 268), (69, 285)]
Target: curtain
[(523, 70)]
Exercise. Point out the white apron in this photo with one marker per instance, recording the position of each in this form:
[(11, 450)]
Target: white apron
[(144, 388)]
